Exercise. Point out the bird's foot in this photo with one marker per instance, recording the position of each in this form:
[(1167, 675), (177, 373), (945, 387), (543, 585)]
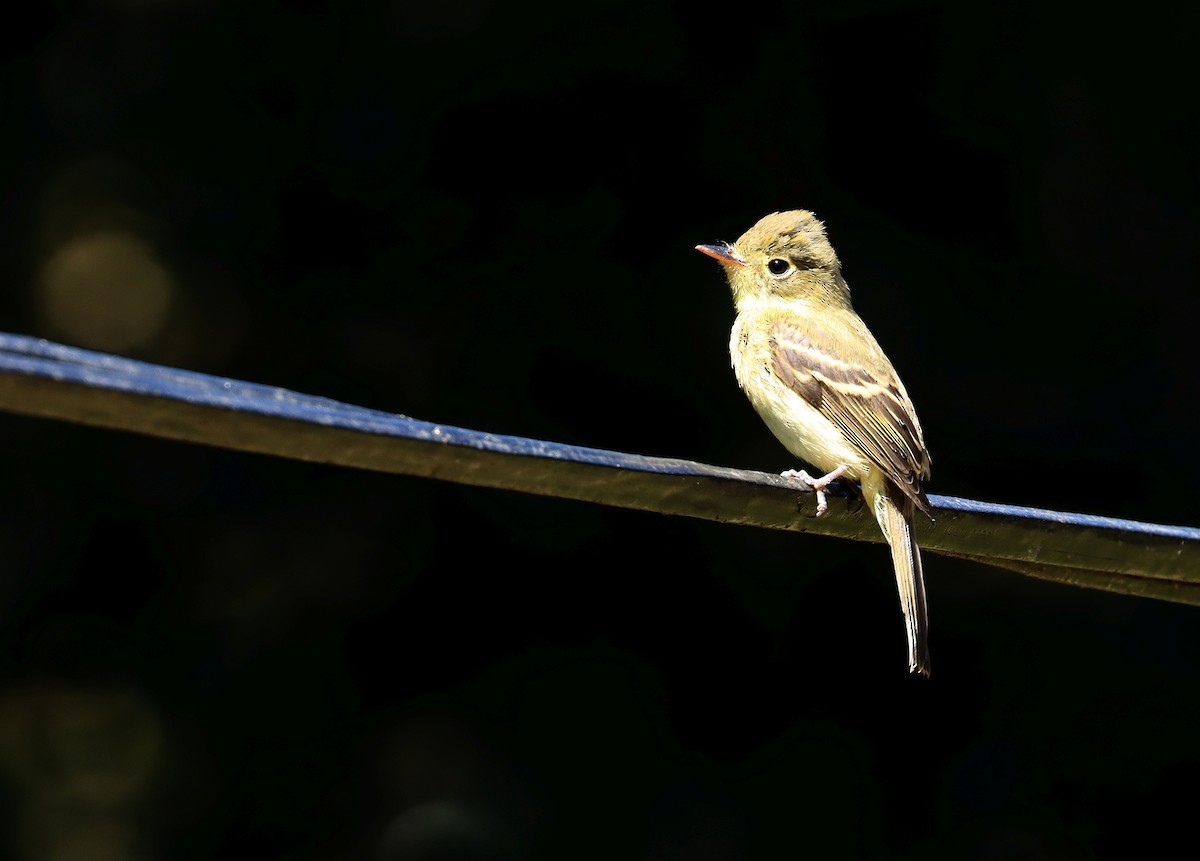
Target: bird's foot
[(817, 484)]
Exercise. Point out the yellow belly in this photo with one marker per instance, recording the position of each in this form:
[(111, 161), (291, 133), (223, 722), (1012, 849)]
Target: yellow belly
[(803, 431)]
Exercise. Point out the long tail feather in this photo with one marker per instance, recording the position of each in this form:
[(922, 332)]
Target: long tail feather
[(894, 514)]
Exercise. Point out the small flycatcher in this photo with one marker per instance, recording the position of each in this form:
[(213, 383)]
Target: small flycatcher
[(822, 384)]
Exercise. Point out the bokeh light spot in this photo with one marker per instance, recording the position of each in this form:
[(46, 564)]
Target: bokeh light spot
[(105, 290)]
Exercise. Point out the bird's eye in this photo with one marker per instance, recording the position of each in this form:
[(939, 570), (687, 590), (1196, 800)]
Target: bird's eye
[(778, 266)]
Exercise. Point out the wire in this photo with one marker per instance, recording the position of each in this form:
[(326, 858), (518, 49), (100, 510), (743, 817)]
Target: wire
[(48, 380)]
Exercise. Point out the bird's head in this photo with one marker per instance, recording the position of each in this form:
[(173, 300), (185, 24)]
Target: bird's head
[(786, 255)]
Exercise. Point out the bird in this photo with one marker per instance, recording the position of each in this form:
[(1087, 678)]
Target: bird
[(824, 387)]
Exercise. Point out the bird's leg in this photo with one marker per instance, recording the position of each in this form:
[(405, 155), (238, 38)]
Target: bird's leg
[(817, 484)]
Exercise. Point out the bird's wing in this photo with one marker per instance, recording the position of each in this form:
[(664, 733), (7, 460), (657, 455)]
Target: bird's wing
[(861, 395)]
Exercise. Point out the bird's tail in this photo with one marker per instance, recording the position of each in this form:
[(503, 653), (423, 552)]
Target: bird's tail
[(894, 512)]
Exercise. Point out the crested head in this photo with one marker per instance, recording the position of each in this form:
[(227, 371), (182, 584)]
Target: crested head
[(797, 233), (786, 255)]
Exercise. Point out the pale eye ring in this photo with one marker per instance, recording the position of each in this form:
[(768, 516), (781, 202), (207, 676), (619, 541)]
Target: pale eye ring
[(778, 266)]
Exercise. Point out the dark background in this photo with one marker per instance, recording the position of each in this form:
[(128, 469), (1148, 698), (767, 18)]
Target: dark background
[(483, 214)]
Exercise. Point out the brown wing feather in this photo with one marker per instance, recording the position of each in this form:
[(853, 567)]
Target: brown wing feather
[(866, 404)]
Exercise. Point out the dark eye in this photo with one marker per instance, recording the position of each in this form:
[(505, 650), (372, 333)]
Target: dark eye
[(778, 266)]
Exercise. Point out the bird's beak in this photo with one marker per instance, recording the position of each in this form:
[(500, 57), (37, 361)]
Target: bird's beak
[(723, 254)]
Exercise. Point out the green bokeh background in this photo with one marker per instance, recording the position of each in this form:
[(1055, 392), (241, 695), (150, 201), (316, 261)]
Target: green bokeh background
[(483, 214)]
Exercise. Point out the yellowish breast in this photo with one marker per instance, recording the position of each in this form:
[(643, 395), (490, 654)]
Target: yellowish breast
[(797, 424)]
